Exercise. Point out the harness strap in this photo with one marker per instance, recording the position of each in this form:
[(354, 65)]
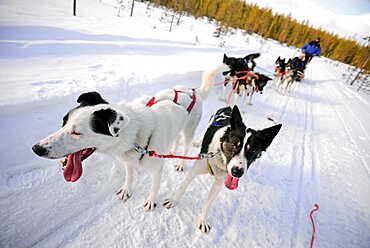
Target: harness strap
[(176, 95), (190, 107), (152, 101)]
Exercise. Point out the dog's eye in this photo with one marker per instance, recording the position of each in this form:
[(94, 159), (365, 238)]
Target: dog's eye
[(75, 133)]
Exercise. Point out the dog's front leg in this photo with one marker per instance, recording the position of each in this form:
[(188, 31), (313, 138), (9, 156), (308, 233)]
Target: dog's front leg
[(175, 145), (155, 171), (202, 223), (125, 192), (199, 167), (250, 96), (236, 96), (222, 98), (288, 82), (186, 145)]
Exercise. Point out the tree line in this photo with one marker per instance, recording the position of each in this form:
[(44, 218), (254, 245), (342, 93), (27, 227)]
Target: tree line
[(251, 18)]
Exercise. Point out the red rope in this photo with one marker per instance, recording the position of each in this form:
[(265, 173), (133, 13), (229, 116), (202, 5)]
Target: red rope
[(313, 224), (154, 154), (231, 92)]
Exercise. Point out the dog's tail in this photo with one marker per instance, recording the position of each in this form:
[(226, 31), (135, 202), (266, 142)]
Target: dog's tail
[(208, 80), (252, 56)]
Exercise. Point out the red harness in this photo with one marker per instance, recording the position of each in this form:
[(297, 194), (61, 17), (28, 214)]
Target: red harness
[(189, 108), (279, 72)]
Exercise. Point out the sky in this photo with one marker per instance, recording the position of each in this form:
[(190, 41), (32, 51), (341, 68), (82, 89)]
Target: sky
[(345, 18), (48, 58)]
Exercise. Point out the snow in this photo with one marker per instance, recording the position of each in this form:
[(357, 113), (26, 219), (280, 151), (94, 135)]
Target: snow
[(48, 58)]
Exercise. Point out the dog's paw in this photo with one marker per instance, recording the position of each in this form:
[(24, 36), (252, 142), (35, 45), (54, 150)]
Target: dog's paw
[(179, 168), (250, 104), (168, 203), (123, 194), (203, 226), (149, 206)]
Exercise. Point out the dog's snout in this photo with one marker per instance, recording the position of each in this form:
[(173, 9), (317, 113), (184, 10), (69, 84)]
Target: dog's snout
[(237, 172), (39, 150)]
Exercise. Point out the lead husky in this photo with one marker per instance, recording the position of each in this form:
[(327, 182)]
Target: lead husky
[(236, 148), (115, 129)]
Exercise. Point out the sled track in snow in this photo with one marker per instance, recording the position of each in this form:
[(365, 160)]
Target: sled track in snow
[(348, 132)]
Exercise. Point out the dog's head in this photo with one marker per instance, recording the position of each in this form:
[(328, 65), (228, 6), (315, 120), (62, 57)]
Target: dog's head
[(241, 147), (235, 65), (289, 63), (84, 129), (280, 63), (260, 81)]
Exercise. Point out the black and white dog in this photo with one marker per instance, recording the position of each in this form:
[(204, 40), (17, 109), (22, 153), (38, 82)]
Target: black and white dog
[(291, 77), (250, 84), (280, 70), (244, 79), (117, 129), (246, 63), (235, 149)]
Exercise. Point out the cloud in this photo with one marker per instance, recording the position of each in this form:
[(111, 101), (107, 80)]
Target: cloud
[(320, 17)]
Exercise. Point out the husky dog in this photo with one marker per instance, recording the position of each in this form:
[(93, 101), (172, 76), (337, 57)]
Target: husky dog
[(241, 73), (238, 65), (250, 84), (117, 129), (279, 71), (291, 76), (235, 149)]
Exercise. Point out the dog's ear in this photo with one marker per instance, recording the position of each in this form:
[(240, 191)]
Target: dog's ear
[(236, 120), (90, 99), (108, 121), (266, 78), (226, 59), (267, 135)]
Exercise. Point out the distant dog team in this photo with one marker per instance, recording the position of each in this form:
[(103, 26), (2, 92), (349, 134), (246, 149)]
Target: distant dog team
[(243, 78)]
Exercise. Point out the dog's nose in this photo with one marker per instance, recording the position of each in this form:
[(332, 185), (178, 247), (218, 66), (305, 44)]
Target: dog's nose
[(39, 150), (237, 172)]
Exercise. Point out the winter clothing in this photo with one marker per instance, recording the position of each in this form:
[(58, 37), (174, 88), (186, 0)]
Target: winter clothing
[(312, 48), (298, 64)]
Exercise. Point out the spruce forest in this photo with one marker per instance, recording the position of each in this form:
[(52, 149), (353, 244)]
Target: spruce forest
[(230, 14)]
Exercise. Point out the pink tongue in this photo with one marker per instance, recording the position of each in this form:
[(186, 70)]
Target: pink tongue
[(73, 170), (231, 182)]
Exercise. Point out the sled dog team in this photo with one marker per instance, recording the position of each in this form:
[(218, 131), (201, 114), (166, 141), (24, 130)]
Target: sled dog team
[(229, 146)]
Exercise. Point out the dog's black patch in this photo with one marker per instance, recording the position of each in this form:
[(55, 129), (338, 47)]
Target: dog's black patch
[(90, 99), (219, 120), (101, 119), (258, 142), (240, 64), (85, 99)]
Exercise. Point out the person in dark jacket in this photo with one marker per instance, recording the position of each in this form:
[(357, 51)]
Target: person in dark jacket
[(312, 49), (298, 62), (298, 66)]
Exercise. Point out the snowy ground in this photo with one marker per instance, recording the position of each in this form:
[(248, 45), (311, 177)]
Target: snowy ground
[(48, 57)]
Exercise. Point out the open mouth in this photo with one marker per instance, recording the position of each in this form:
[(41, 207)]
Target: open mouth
[(231, 182), (72, 164)]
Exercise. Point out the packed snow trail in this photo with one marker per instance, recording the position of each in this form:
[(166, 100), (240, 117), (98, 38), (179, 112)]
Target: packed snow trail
[(320, 155)]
